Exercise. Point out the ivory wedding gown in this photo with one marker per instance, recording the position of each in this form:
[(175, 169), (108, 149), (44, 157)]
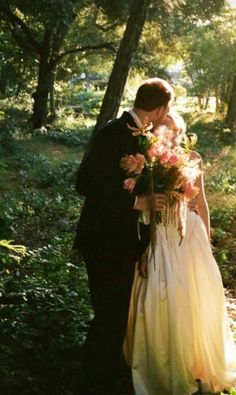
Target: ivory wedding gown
[(178, 330)]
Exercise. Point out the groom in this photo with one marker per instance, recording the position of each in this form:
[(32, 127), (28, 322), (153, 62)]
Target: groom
[(107, 235)]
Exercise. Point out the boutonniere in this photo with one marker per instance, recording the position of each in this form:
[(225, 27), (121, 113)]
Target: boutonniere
[(144, 134), (144, 130)]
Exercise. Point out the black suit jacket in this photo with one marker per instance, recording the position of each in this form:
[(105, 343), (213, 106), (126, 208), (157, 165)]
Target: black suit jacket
[(107, 228)]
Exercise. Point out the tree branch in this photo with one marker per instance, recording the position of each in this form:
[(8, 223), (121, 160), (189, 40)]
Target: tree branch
[(16, 21), (57, 40), (109, 46), (20, 40), (106, 27)]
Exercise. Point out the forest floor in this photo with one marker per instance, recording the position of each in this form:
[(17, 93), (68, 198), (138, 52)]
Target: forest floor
[(231, 307), (39, 209)]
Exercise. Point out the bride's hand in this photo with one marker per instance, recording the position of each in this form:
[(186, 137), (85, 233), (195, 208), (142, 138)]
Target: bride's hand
[(142, 266), (192, 205)]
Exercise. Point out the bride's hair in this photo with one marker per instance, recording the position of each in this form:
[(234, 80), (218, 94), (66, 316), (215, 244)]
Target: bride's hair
[(153, 93), (179, 123)]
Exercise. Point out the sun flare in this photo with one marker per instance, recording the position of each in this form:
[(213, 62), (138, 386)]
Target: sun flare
[(232, 3)]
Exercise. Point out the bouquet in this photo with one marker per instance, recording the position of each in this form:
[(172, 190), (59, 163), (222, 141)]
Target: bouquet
[(163, 166)]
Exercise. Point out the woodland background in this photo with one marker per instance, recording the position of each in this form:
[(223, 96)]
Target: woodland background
[(66, 67)]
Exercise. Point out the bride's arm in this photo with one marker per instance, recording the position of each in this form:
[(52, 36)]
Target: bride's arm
[(201, 201), (142, 265)]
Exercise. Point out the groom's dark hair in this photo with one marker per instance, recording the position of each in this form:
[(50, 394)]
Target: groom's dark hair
[(153, 93)]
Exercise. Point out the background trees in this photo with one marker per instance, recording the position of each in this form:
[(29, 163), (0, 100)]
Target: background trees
[(209, 54), (39, 30), (52, 40)]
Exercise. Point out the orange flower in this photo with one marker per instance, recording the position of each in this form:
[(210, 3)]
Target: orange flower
[(133, 163)]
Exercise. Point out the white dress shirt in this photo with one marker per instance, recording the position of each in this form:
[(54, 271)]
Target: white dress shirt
[(135, 118)]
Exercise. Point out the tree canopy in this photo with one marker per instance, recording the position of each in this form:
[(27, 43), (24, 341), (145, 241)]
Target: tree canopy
[(55, 39)]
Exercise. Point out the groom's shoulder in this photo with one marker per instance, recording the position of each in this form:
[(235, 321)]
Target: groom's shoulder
[(114, 127), (118, 122)]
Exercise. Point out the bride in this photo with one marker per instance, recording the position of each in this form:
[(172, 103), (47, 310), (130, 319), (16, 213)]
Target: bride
[(178, 337)]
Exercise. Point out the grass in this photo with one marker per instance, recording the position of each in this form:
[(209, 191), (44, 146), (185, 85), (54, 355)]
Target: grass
[(220, 169), (52, 150)]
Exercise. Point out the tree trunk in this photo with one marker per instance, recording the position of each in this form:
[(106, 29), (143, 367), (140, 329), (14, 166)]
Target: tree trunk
[(206, 102), (200, 102), (217, 108), (119, 74), (231, 112), (40, 96), (52, 100), (217, 99)]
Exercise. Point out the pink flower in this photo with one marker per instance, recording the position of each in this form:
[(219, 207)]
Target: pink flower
[(164, 134), (169, 158), (173, 159), (129, 184), (155, 151), (133, 163), (190, 190), (165, 156)]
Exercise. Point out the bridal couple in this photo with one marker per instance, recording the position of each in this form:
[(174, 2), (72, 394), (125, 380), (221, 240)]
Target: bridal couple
[(167, 320)]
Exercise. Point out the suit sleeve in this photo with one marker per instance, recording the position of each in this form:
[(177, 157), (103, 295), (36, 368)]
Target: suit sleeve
[(100, 177)]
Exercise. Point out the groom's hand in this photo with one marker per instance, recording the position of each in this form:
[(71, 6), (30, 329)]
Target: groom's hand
[(158, 202), (154, 202), (142, 202)]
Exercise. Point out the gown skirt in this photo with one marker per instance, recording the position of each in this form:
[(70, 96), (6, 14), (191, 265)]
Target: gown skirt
[(178, 335)]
